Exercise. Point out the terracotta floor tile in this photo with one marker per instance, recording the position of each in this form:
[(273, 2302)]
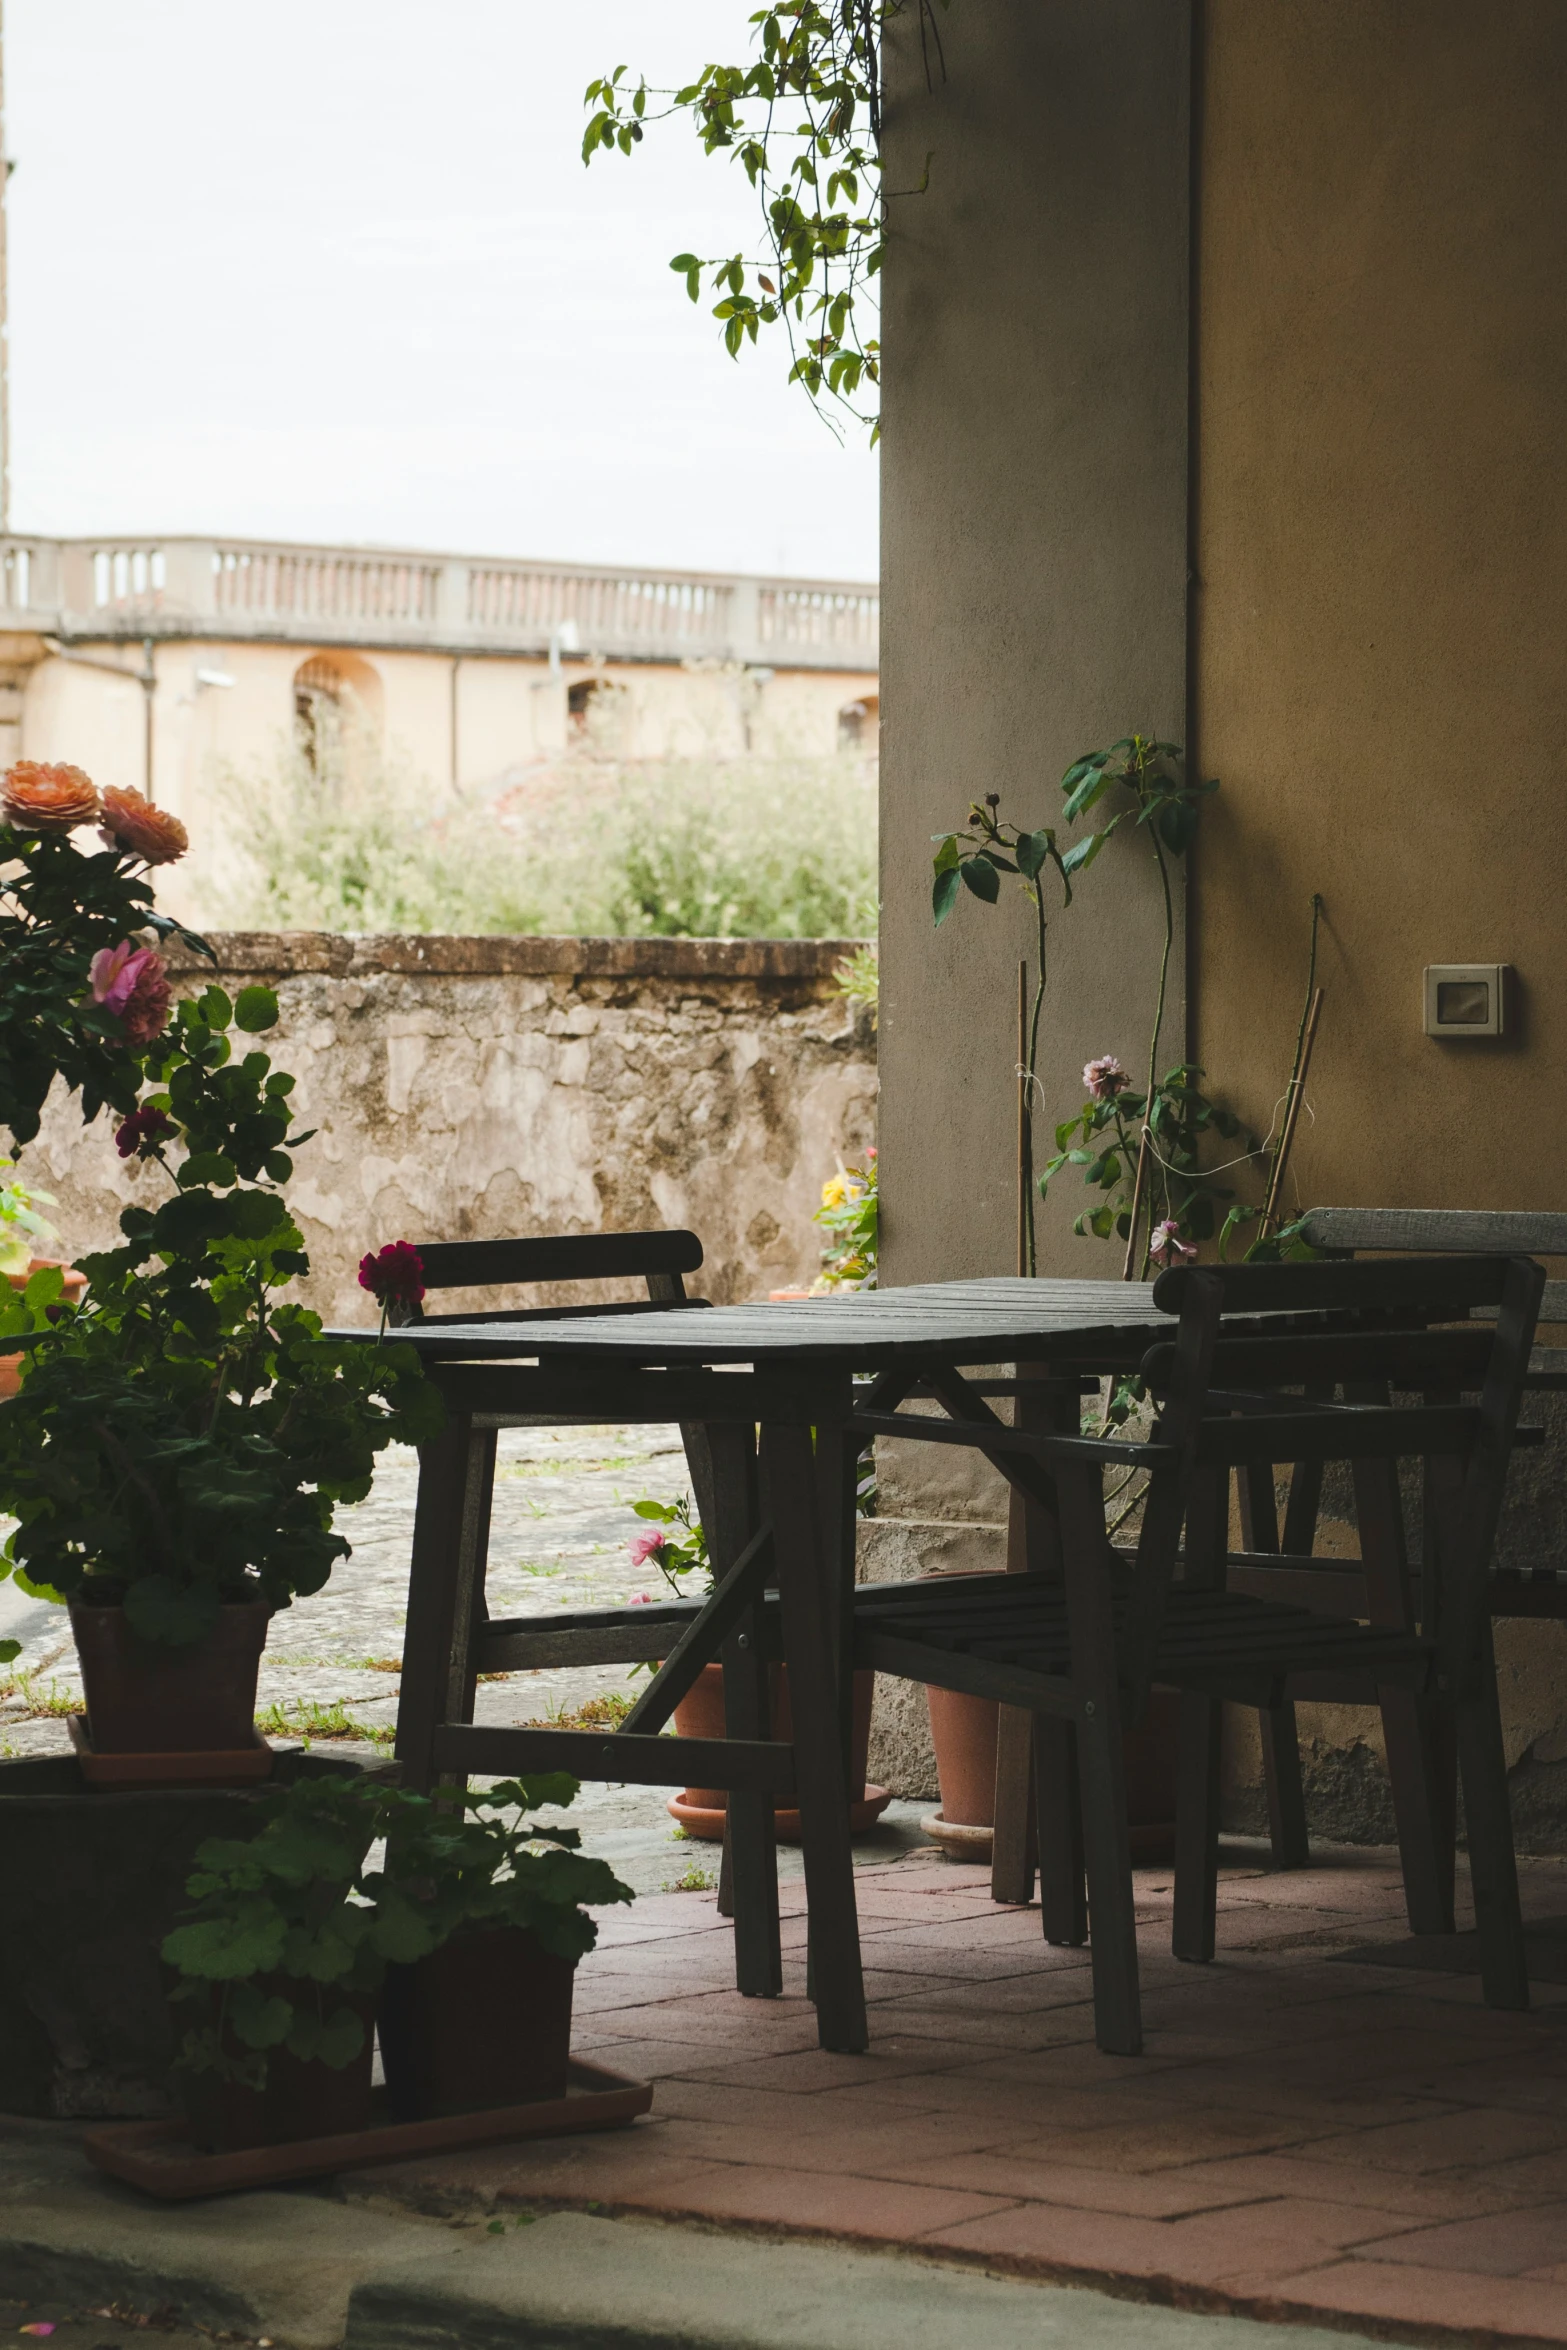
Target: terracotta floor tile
[(1503, 2244), (1445, 2195), (889, 2058), (886, 2209), (1070, 2242), (1490, 2306), (1446, 2141), (1033, 2170)]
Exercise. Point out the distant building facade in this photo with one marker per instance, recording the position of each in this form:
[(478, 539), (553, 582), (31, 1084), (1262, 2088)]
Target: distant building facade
[(162, 662)]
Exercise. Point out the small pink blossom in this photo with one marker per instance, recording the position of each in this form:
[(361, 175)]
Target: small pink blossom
[(643, 1547), (1166, 1243), (143, 1131), (1104, 1078), (641, 1599)]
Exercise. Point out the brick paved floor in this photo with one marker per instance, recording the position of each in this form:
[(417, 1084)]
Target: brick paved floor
[(1304, 2136)]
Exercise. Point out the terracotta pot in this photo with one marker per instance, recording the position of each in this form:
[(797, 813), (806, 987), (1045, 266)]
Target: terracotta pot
[(485, 2020), (963, 1730), (144, 1697), (75, 1289), (701, 1716), (303, 2098)]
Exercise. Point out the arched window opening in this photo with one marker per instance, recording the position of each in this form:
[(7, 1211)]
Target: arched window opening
[(595, 716), (337, 708), (859, 725)]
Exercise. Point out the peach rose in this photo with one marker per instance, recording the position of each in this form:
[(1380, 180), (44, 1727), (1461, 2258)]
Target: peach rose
[(36, 798), (133, 825)]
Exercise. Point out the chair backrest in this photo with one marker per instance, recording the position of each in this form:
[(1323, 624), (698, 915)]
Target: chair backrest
[(658, 1258), (1432, 1231)]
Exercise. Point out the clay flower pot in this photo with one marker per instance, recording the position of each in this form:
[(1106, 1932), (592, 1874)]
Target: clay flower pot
[(963, 1731), (483, 2021), (75, 1289), (303, 2098), (700, 1714), (144, 1697)]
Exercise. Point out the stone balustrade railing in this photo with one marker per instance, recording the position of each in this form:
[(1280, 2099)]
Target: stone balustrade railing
[(127, 590)]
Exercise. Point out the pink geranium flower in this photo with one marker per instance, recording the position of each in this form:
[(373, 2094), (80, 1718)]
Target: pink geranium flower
[(643, 1547), (1166, 1244), (1104, 1078)]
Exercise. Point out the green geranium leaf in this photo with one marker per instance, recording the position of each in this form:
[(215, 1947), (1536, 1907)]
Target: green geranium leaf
[(255, 1010), (176, 1615)]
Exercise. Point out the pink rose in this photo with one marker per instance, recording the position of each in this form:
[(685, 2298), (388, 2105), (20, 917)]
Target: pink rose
[(1104, 1078), (1166, 1244), (131, 982), (643, 1547)]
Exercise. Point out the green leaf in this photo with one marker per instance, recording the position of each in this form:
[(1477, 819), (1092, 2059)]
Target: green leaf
[(982, 878), (1033, 848), (944, 895), (173, 1614), (948, 854), (9, 1649), (1092, 789), (1082, 853), (255, 1009), (214, 1007)]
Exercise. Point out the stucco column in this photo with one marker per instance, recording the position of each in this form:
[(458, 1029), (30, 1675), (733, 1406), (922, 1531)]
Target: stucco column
[(1034, 568)]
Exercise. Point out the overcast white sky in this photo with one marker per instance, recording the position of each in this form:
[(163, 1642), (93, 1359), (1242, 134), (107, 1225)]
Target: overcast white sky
[(332, 269)]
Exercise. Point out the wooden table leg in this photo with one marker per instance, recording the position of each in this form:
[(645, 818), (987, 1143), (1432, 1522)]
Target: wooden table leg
[(445, 1591), (810, 1612), (1033, 1547), (749, 1876)]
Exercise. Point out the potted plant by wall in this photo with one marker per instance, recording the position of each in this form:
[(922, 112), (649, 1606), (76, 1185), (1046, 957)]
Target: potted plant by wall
[(462, 1946), (680, 1555), (182, 1433), (483, 2016)]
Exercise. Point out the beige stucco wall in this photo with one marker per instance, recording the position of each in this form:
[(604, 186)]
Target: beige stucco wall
[(1379, 615), (1033, 561), (489, 1087)]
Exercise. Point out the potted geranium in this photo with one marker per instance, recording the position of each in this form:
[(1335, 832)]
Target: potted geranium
[(463, 1945), (182, 1433)]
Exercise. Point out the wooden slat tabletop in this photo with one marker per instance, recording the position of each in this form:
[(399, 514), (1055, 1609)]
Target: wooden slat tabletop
[(1001, 1318)]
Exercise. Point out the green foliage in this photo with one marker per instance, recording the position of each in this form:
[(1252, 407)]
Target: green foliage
[(58, 908), (972, 861), (283, 1920), (802, 119), (858, 980), (1104, 1140), (709, 848), (849, 1215), (24, 1233), (182, 1436)]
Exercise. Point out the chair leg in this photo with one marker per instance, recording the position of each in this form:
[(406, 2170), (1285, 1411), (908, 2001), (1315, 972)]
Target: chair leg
[(1063, 1905), (1194, 1925), (1493, 1868), (1283, 1785), (1421, 1783), (1012, 1838), (1107, 1853)]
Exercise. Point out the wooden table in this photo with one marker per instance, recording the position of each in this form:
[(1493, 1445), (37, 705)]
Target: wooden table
[(773, 1386)]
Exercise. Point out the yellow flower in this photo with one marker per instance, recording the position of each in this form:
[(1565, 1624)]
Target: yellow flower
[(834, 1192)]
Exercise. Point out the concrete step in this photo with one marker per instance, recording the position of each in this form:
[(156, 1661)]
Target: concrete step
[(308, 2272)]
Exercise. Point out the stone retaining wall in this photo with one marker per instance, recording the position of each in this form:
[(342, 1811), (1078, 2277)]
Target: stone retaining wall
[(477, 1087)]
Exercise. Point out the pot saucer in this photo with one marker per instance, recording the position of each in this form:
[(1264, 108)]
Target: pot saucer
[(707, 1825)]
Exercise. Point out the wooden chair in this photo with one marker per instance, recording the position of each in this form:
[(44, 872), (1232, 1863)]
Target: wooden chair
[(1082, 1650), (723, 1477), (1278, 1558)]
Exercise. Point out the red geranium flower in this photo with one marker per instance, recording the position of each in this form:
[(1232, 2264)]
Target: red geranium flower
[(142, 1131), (394, 1275)]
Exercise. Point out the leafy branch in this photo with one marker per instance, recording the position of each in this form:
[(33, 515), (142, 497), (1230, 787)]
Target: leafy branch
[(803, 119)]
